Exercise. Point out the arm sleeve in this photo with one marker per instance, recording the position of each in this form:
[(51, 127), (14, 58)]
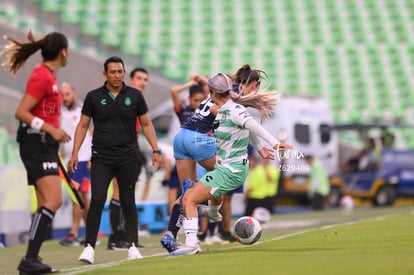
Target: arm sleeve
[(37, 86), (256, 129), (255, 141), (142, 105), (87, 106), (242, 117)]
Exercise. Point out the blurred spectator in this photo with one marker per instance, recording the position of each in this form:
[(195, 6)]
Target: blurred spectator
[(368, 160), (170, 177), (387, 139), (319, 183), (273, 175), (70, 118), (261, 186)]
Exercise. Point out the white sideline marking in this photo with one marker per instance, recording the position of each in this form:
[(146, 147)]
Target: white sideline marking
[(82, 269)]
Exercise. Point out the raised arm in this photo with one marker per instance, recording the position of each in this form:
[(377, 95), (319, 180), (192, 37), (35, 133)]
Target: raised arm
[(175, 93)]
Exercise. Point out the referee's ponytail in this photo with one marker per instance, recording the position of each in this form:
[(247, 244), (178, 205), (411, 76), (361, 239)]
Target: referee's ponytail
[(17, 52)]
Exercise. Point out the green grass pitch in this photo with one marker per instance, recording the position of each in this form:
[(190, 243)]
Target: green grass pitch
[(365, 241)]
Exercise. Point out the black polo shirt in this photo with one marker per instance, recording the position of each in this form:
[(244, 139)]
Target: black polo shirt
[(114, 120)]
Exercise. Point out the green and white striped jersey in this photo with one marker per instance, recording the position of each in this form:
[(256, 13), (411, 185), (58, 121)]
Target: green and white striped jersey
[(232, 137)]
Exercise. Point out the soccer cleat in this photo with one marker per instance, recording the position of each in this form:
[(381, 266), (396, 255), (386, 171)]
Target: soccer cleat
[(88, 255), (204, 210), (33, 266), (116, 243), (186, 250), (201, 236), (70, 240), (169, 242), (133, 253), (227, 236)]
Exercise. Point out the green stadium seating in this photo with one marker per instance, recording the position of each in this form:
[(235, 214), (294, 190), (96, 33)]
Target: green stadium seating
[(51, 5), (11, 152), (358, 51), (4, 136)]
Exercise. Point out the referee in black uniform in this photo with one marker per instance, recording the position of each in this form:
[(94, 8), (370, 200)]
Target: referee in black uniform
[(114, 108)]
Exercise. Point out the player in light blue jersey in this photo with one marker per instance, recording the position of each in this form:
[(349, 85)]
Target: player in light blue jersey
[(233, 128), (194, 143)]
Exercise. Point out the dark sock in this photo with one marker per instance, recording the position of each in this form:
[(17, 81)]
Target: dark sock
[(40, 223), (176, 220), (115, 212), (211, 227), (220, 227)]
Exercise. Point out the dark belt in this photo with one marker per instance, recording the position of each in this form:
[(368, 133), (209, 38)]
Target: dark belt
[(29, 130)]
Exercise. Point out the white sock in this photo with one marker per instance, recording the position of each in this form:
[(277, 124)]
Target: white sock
[(190, 227), (214, 208)]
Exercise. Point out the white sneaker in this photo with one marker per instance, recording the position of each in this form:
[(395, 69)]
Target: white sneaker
[(204, 210), (133, 253), (88, 255)]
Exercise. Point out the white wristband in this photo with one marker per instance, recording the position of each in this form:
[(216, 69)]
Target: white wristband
[(37, 123)]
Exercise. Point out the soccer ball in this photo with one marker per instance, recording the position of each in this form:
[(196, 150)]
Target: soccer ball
[(247, 230)]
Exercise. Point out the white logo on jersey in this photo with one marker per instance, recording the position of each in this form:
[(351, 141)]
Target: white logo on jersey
[(49, 165), (55, 88), (204, 110)]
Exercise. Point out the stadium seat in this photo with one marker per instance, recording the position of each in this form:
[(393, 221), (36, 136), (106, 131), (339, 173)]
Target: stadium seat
[(12, 155), (71, 11), (4, 136), (51, 5), (361, 50), (9, 14)]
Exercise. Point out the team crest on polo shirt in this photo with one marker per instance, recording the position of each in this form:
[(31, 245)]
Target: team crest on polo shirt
[(127, 101), (103, 102), (55, 88)]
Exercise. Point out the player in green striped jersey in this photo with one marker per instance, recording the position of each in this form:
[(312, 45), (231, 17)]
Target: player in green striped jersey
[(233, 128)]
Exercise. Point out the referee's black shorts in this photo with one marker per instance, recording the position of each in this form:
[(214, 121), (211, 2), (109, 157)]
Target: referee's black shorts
[(39, 153)]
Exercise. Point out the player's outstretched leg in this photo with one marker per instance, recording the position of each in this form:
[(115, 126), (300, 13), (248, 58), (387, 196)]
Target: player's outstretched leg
[(187, 184), (169, 238)]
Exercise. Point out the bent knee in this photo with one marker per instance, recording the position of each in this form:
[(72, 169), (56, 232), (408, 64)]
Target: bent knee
[(53, 204), (188, 200)]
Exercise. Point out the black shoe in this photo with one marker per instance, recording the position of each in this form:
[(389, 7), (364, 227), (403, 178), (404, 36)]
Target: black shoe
[(227, 236), (202, 236), (33, 266), (116, 243), (121, 246), (118, 246)]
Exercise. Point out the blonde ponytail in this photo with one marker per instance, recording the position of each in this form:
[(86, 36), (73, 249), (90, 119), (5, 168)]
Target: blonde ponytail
[(262, 101)]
